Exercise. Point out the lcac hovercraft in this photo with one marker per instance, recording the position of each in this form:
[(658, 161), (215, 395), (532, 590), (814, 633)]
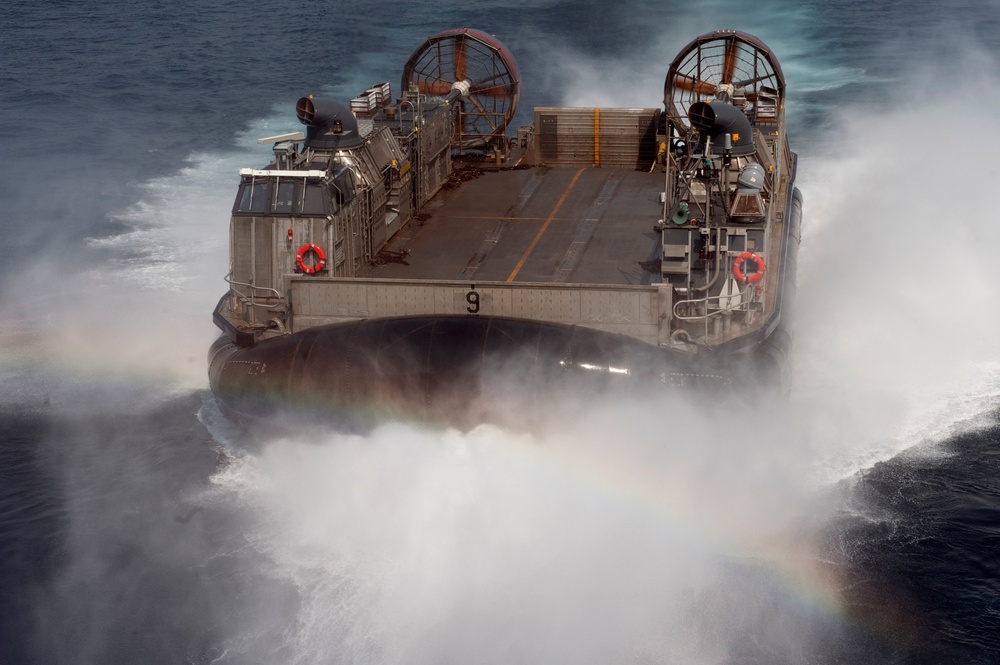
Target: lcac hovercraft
[(415, 255)]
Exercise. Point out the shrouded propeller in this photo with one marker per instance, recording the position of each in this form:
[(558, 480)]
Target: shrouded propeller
[(725, 64), (473, 71)]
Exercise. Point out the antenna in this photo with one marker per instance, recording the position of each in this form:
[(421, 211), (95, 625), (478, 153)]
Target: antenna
[(294, 137)]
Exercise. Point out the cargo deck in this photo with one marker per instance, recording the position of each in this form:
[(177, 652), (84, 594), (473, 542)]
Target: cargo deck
[(538, 224)]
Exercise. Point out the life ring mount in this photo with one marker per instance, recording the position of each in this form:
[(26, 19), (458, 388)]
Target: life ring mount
[(304, 251), (738, 268)]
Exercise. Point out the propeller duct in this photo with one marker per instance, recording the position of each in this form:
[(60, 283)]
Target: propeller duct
[(330, 124), (715, 120)]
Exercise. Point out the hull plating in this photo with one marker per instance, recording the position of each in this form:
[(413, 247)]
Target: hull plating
[(453, 369)]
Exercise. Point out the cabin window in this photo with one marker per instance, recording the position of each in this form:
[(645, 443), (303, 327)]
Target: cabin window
[(284, 196), (343, 185), (314, 199), (254, 196), (285, 199)]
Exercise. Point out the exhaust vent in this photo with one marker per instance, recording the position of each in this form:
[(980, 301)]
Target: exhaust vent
[(331, 125)]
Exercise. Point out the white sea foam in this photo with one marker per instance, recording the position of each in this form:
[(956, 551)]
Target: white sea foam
[(611, 537), (895, 331), (145, 310)]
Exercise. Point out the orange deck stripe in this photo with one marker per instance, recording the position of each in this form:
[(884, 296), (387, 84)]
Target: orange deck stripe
[(523, 219), (538, 235)]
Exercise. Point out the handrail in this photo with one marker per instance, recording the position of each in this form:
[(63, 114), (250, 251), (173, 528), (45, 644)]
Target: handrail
[(250, 299), (230, 281), (413, 112), (742, 305), (282, 173)]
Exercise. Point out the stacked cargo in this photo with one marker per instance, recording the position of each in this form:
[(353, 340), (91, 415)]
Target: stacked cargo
[(371, 100)]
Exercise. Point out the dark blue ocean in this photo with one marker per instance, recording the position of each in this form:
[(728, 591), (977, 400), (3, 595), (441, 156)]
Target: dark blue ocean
[(858, 522)]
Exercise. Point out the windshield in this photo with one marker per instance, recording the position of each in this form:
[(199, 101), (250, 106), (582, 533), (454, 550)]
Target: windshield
[(288, 197)]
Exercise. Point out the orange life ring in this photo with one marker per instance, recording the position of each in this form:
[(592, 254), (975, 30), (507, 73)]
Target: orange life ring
[(738, 268), (320, 259)]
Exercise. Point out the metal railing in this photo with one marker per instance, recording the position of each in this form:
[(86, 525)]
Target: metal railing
[(710, 326), (251, 300), (743, 304)]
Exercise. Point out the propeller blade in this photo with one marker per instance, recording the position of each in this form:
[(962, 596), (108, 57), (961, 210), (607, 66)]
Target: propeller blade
[(729, 68), (745, 82), (460, 58), (434, 87), (503, 90), (694, 85), (493, 92), (485, 121)]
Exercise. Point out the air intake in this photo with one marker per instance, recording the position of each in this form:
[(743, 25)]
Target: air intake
[(331, 125), (716, 119)]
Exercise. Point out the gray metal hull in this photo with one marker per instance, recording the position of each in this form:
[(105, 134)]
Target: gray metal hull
[(453, 370), (460, 370)]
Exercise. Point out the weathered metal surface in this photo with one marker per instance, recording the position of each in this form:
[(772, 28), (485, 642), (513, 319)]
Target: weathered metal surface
[(608, 137), (563, 224), (621, 310)]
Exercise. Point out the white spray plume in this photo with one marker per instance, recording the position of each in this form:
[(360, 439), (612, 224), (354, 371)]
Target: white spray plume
[(894, 320)]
